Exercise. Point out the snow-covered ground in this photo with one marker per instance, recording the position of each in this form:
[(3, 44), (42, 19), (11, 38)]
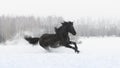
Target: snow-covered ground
[(94, 53)]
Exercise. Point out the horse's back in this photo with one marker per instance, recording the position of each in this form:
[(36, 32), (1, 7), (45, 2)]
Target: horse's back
[(45, 36), (48, 39)]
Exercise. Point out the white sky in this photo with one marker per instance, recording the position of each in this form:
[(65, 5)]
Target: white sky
[(65, 8)]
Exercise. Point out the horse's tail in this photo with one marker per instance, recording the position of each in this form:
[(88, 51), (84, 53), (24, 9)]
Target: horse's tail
[(32, 40)]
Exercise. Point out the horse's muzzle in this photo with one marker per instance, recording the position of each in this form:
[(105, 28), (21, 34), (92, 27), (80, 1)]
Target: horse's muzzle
[(74, 33)]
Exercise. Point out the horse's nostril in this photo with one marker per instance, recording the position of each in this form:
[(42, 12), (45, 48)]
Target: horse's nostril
[(75, 34)]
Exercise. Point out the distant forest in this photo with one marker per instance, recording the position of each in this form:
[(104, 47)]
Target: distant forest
[(86, 27)]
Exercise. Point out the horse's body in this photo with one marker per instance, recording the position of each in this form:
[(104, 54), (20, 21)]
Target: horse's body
[(61, 37), (47, 40)]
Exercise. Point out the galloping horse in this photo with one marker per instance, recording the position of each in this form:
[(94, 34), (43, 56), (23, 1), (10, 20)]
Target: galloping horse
[(62, 34), (61, 37)]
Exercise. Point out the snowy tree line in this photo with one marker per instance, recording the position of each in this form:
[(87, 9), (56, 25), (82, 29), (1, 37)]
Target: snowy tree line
[(10, 26), (98, 27)]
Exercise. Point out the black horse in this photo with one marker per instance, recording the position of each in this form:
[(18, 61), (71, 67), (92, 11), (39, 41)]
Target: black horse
[(61, 37)]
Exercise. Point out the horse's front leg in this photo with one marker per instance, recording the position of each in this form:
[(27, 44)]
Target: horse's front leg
[(67, 45), (74, 43)]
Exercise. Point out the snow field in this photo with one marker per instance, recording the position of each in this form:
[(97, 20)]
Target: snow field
[(94, 53)]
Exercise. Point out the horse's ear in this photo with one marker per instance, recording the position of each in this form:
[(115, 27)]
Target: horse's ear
[(71, 22), (62, 23), (65, 23)]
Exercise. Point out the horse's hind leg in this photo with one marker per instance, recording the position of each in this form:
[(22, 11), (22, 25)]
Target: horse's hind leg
[(44, 46)]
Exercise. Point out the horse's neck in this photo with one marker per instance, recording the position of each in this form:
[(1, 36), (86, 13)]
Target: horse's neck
[(63, 33)]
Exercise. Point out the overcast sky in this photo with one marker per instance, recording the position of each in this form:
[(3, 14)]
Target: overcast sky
[(65, 8)]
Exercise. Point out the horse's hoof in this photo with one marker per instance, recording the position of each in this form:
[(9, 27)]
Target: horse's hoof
[(77, 51)]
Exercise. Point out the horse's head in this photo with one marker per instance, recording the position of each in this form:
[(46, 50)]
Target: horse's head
[(69, 27)]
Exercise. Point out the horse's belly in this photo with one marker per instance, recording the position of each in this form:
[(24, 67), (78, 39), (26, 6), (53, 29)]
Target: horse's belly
[(55, 45)]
